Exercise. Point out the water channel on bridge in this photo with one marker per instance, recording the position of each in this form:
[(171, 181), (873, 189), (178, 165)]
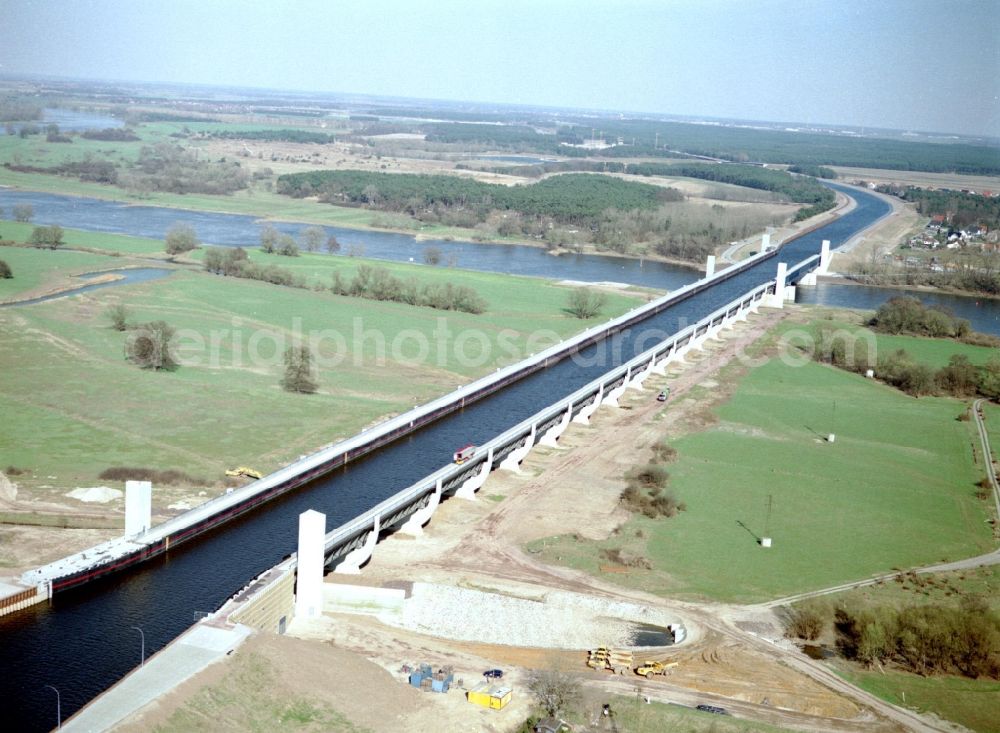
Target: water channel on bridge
[(83, 642)]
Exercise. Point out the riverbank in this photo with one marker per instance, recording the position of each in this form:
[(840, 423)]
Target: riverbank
[(271, 207)]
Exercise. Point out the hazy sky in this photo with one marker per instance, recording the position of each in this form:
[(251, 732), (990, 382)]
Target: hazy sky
[(912, 64)]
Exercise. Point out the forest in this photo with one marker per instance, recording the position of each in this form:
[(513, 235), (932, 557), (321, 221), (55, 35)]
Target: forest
[(653, 138), (799, 189), (571, 199)]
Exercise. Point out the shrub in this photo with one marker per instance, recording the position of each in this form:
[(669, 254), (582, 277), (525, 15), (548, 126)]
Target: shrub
[(805, 622), (118, 315), (134, 473), (664, 452), (180, 238), (5, 272), (585, 302)]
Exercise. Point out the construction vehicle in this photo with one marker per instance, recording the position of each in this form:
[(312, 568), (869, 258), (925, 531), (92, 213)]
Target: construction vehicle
[(617, 660), (244, 471), (650, 669)]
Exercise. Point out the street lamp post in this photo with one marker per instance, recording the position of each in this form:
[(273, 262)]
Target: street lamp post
[(142, 640), (58, 707)]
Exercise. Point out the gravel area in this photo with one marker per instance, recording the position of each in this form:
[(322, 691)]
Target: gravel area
[(560, 620)]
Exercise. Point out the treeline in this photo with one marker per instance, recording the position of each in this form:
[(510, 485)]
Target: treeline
[(112, 134), (574, 199), (907, 315), (797, 189), (170, 168), (163, 167), (960, 378), (373, 283), (655, 138), (19, 110), (377, 283), (926, 639), (973, 272), (959, 208), (283, 135), (816, 171)]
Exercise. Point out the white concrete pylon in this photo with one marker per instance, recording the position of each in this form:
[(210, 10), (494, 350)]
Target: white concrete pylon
[(353, 560), (710, 266), (138, 507), (309, 580), (824, 258), (777, 300), (414, 526)]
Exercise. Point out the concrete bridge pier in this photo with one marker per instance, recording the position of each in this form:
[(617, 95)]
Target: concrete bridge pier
[(473, 484), (513, 460), (583, 416), (414, 526), (660, 367), (353, 560), (553, 433), (636, 381), (611, 399)]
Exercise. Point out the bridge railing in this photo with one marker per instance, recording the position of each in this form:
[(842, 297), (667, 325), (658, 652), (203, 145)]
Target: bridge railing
[(401, 499), (411, 417)]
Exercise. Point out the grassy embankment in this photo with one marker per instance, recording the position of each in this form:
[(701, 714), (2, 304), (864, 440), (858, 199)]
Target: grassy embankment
[(73, 406), (900, 468)]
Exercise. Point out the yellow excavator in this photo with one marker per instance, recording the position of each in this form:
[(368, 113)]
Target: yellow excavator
[(649, 669), (244, 471)]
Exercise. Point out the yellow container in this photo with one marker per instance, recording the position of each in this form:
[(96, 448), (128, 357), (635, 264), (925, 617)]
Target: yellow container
[(495, 698)]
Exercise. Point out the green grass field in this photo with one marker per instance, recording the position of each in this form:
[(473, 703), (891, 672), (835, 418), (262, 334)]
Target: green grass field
[(940, 588), (73, 406), (972, 703), (992, 415), (900, 469), (45, 269), (933, 352)]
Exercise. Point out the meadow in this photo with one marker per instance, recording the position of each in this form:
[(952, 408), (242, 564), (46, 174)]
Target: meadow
[(74, 406), (900, 468)]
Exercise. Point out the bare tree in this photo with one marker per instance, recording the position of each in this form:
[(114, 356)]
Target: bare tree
[(312, 238), (23, 213), (332, 245), (269, 238), (556, 691), (432, 255)]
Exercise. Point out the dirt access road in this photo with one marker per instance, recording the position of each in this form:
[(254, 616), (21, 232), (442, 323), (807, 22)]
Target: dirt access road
[(736, 656)]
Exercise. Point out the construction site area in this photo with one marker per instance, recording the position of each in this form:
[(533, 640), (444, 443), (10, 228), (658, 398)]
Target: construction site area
[(445, 631)]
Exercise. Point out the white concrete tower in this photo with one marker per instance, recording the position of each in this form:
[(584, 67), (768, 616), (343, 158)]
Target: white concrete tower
[(309, 584), (138, 507)]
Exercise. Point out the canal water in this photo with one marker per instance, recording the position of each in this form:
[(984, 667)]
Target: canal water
[(83, 641)]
